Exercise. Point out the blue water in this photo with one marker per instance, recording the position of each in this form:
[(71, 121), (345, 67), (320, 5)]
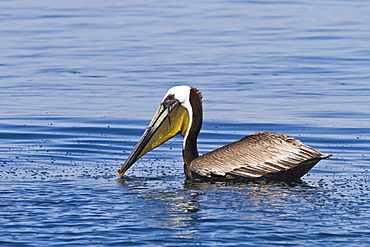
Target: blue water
[(80, 80)]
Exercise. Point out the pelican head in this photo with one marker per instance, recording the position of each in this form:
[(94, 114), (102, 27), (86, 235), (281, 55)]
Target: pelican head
[(174, 116)]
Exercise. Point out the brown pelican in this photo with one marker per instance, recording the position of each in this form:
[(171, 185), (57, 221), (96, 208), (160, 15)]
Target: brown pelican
[(260, 156)]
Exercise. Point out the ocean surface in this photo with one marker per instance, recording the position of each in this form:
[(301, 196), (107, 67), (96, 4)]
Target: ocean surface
[(80, 81)]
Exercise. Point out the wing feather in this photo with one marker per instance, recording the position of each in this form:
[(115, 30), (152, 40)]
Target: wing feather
[(255, 156)]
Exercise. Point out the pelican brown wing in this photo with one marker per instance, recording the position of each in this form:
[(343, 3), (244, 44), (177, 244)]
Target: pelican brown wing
[(262, 155)]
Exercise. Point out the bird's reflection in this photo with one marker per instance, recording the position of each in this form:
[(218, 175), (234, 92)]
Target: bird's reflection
[(185, 209)]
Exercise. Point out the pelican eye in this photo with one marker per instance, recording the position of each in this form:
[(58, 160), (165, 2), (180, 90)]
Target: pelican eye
[(168, 101)]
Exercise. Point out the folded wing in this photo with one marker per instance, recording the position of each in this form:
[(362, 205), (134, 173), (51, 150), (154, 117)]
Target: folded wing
[(260, 155)]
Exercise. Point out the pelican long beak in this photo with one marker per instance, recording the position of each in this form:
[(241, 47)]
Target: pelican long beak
[(171, 118)]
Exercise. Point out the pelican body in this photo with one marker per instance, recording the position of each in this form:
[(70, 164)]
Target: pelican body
[(260, 156)]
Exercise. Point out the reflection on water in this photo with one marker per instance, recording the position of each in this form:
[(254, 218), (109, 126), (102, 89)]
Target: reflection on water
[(227, 206)]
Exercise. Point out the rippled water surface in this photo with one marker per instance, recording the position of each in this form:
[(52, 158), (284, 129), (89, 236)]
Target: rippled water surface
[(80, 80)]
